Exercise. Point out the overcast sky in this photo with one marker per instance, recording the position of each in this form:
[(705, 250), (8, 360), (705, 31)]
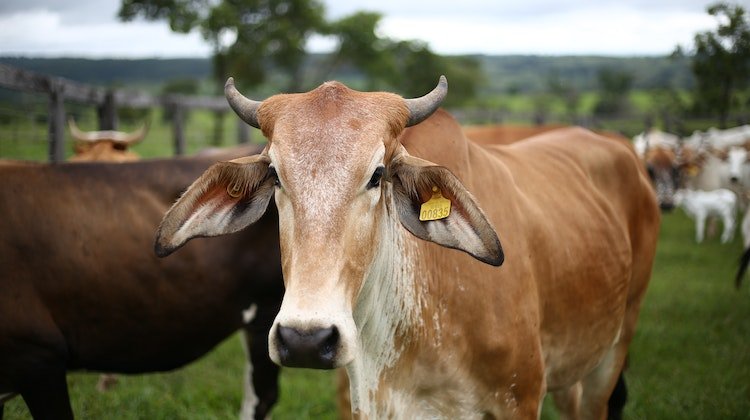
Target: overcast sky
[(89, 28)]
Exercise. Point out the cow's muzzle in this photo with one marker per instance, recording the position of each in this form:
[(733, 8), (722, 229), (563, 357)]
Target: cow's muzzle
[(312, 349)]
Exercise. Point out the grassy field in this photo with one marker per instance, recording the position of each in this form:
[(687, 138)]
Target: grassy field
[(690, 358)]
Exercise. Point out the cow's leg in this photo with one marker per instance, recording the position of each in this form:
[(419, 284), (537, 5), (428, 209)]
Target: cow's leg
[(262, 375), (618, 398), (700, 225), (106, 382), (46, 395), (568, 402), (599, 384), (728, 233)]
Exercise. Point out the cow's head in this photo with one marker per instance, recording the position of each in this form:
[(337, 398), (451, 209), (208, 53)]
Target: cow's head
[(105, 146), (343, 184), (662, 166), (736, 157)]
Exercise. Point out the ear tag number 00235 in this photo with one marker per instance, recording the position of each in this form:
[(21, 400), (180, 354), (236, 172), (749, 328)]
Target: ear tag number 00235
[(436, 208)]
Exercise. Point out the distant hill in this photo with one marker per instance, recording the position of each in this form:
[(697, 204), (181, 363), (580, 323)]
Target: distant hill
[(524, 73), (518, 73), (115, 71)]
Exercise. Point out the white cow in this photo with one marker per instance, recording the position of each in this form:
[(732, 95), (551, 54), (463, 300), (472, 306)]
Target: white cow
[(724, 139), (701, 204), (654, 138), (739, 170)]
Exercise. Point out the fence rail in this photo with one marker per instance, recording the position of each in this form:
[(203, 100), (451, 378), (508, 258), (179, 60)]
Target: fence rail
[(106, 101)]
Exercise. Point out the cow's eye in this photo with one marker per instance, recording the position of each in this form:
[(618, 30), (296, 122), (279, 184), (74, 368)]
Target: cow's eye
[(273, 175), (375, 178)]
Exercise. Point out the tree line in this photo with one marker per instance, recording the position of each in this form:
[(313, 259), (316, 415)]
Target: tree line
[(256, 40)]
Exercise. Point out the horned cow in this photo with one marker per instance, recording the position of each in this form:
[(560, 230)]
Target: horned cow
[(105, 145), (371, 216)]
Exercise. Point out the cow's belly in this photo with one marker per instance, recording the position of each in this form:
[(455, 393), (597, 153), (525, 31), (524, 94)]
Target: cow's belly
[(573, 349)]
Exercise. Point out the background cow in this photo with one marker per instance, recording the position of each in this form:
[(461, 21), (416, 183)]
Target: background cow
[(83, 290), (105, 146), (702, 204), (425, 331)]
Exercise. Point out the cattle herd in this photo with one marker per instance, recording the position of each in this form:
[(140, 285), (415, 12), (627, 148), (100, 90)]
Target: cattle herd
[(708, 175), (525, 278)]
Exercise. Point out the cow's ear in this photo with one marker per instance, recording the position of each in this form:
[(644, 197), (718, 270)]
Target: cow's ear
[(419, 189), (228, 197)]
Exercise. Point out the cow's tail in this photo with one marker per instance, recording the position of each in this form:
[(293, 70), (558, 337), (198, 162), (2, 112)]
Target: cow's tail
[(744, 261)]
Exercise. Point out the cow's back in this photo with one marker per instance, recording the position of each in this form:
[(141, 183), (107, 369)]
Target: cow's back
[(80, 277)]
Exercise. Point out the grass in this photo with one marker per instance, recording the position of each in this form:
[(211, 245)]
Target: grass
[(690, 358)]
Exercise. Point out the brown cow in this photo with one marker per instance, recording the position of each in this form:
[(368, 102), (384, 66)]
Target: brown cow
[(105, 146), (368, 215), (81, 288)]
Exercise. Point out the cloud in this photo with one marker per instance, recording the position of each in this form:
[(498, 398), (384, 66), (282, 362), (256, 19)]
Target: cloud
[(52, 37), (591, 31), (610, 27)]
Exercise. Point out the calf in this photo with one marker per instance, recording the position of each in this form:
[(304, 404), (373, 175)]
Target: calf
[(702, 204), (81, 288)]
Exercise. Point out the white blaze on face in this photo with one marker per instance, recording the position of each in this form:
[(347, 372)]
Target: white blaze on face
[(327, 230)]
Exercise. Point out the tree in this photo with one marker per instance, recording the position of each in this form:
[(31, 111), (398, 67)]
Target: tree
[(409, 67), (263, 34), (721, 61), (253, 39), (614, 86), (359, 46), (565, 92)]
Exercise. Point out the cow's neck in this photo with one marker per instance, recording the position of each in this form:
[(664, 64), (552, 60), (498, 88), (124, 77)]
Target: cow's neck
[(387, 310)]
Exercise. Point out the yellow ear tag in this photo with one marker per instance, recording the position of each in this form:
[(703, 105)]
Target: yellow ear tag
[(436, 208), (692, 170), (234, 190)]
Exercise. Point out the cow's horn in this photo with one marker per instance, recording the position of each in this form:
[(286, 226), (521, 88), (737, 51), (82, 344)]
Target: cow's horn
[(130, 139), (421, 108), (77, 133), (246, 109)]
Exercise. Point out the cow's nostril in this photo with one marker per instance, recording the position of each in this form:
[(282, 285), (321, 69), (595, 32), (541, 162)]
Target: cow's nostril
[(330, 343)]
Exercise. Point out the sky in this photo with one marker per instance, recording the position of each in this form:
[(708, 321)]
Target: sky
[(90, 28)]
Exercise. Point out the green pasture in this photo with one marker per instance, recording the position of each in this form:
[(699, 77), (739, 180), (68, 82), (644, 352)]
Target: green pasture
[(690, 358)]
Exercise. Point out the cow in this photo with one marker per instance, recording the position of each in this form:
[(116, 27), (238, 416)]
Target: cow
[(83, 290), (105, 146), (724, 139), (702, 204), (391, 265)]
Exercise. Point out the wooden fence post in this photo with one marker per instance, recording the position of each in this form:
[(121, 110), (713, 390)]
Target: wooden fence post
[(56, 124), (107, 112), (178, 121)]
